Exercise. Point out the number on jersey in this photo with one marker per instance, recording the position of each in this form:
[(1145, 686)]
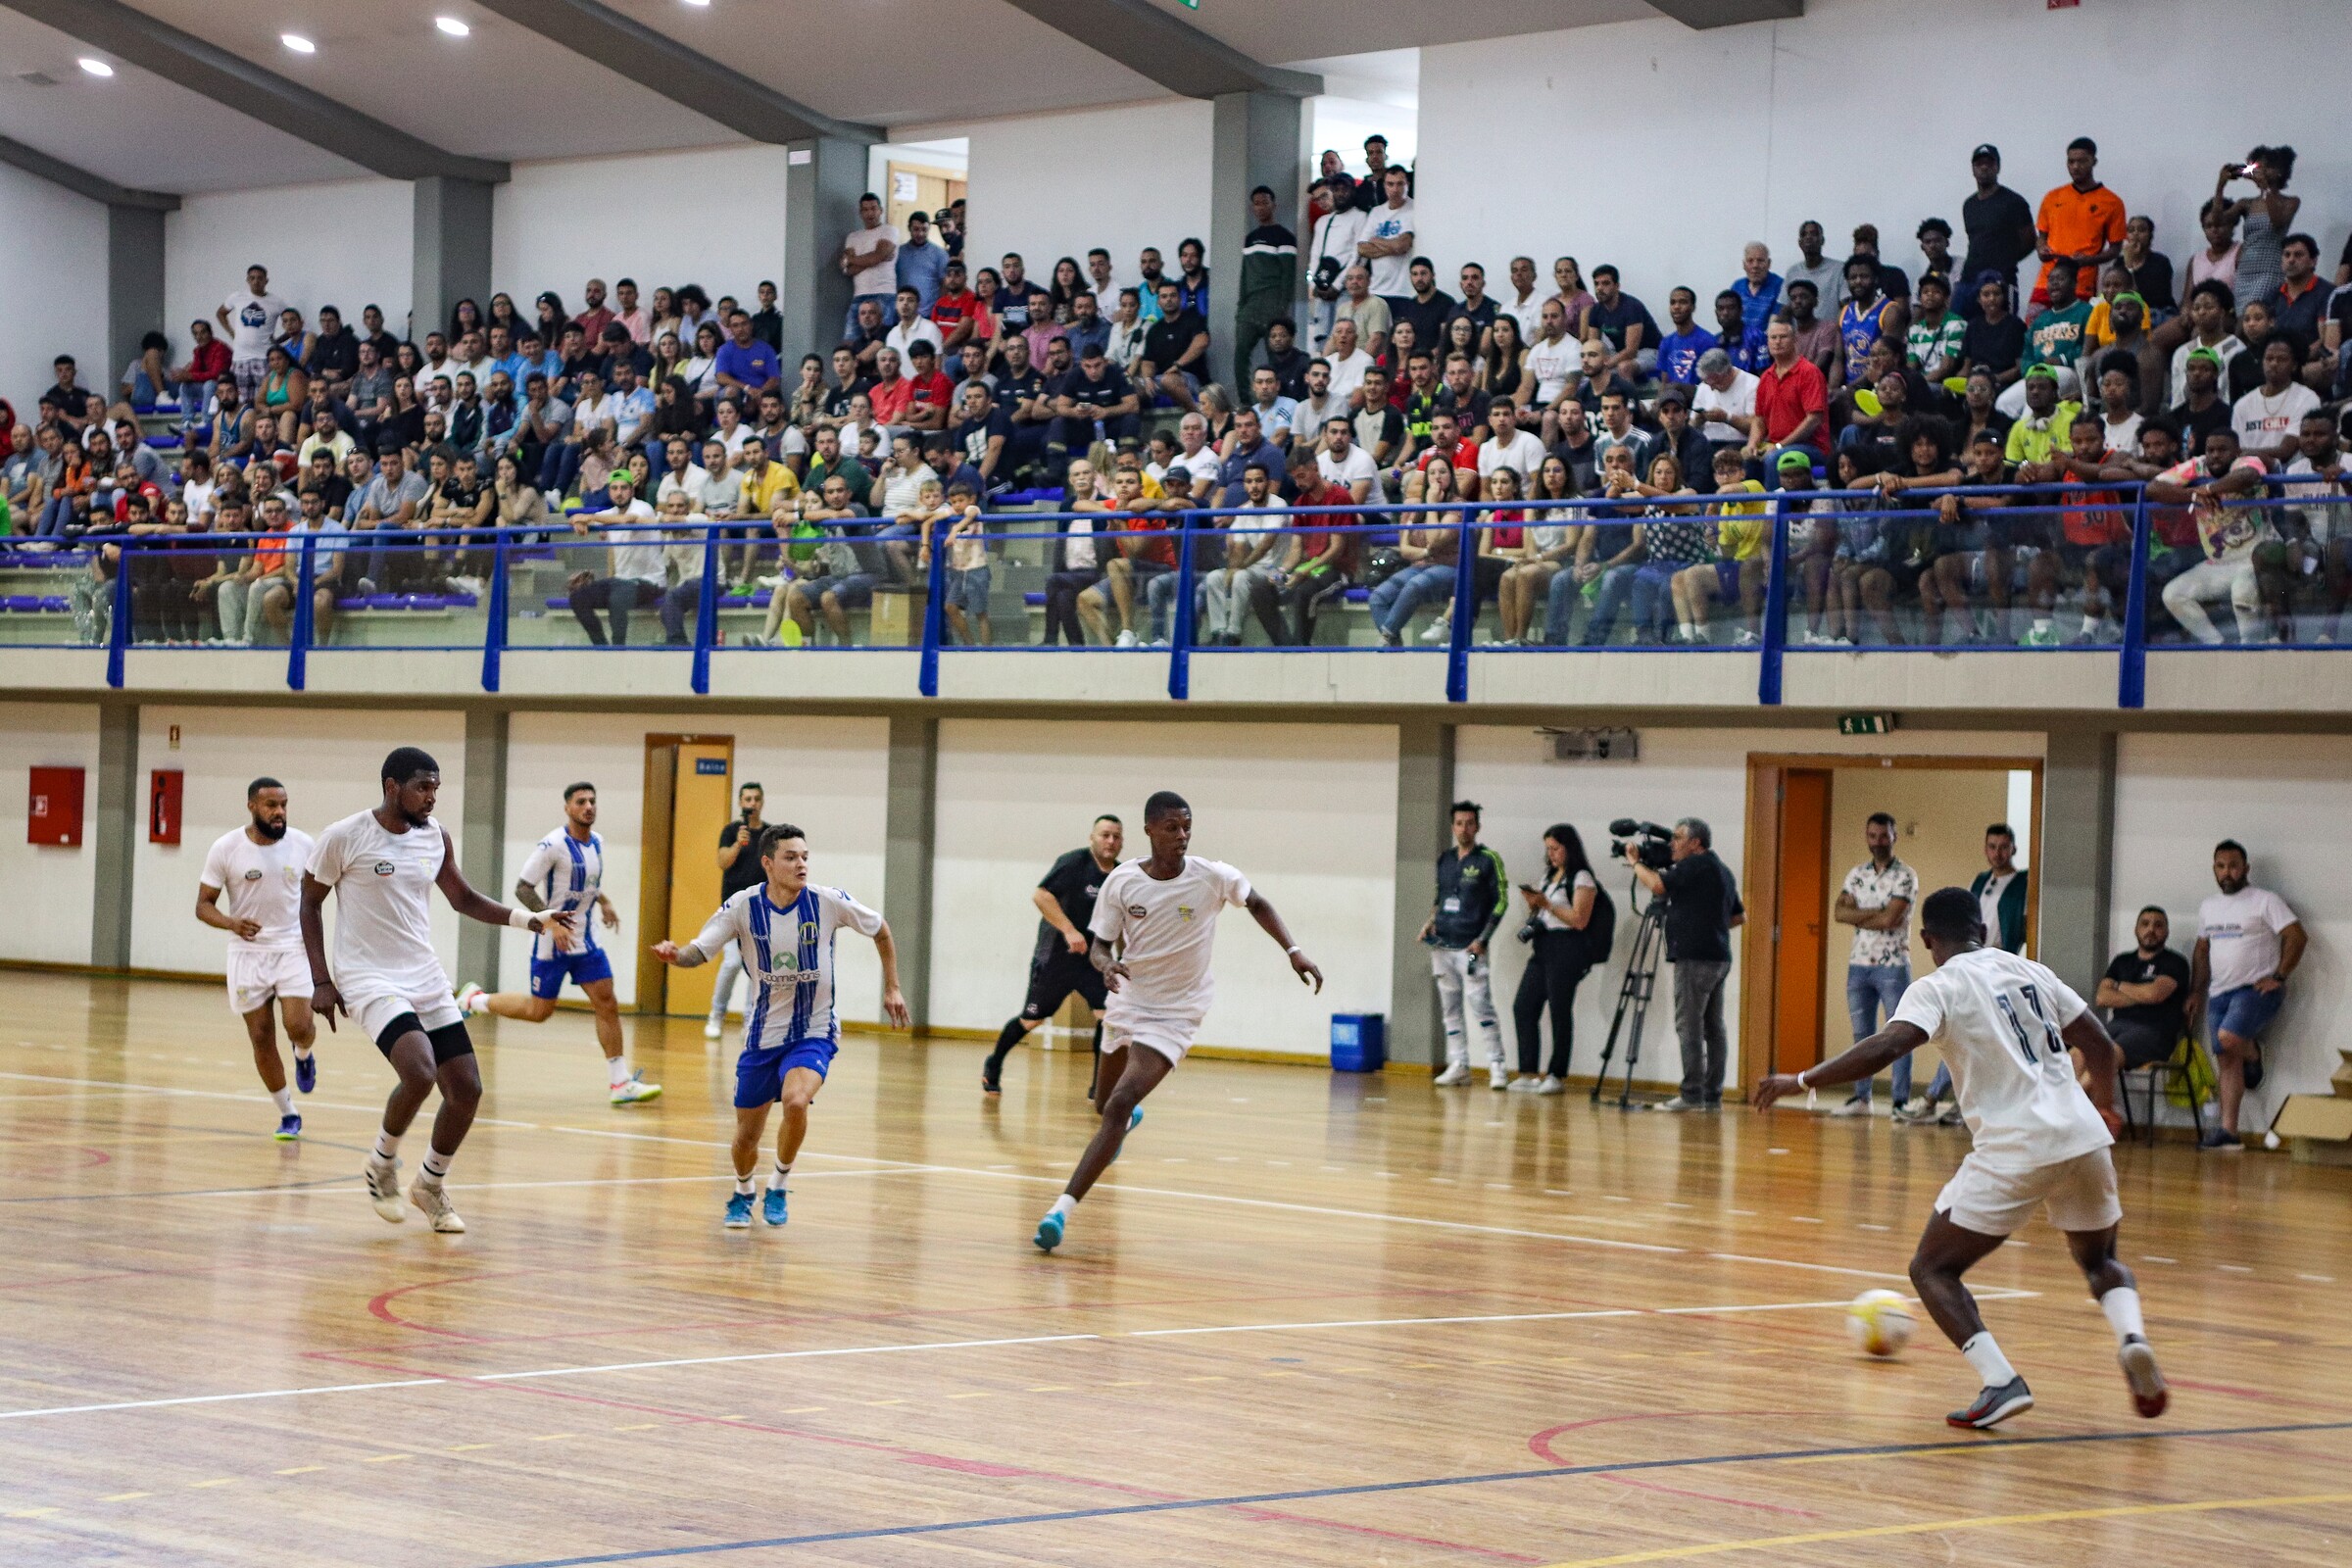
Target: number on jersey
[(2052, 1044)]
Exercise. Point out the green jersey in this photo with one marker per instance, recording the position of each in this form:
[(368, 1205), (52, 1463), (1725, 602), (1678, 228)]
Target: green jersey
[(1929, 341), (2055, 337)]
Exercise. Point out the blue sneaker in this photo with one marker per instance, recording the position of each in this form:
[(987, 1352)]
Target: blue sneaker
[(771, 1207), (1049, 1233), (289, 1127), (739, 1212), (1135, 1120), (306, 1072)]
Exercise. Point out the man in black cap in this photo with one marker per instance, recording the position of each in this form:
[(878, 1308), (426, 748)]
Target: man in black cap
[(1999, 224)]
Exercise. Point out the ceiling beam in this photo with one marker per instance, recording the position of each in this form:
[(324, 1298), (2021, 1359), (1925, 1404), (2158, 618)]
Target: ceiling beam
[(80, 181), (1704, 14), (660, 64), (1178, 56), (237, 84)]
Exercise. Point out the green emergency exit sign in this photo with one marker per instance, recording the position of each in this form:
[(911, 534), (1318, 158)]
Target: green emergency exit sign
[(1865, 723)]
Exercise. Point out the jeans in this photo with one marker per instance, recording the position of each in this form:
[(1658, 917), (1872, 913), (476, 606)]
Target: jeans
[(1698, 986), (1616, 586), (616, 595), (1232, 595), (685, 600), (1463, 977), (1159, 599), (1652, 590), (1872, 991), (1394, 601), (1305, 596), (2187, 595), (560, 467)]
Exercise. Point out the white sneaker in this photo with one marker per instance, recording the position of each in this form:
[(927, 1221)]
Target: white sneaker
[(1856, 1106), (432, 1199), (636, 1091), (1551, 1086), (1126, 639), (714, 1029), (1678, 1104), (1746, 639), (1499, 1078), (383, 1190), (1458, 1073), (1524, 1084), (1440, 630), (470, 997)]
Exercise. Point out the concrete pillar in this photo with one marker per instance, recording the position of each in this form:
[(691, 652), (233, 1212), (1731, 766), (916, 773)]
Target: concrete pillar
[(906, 854), (1255, 139), (451, 255), (117, 817), (2074, 859), (134, 286), (482, 842), (822, 181), (1423, 794)]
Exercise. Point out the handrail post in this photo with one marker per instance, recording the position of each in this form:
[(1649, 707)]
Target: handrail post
[(1465, 610), (706, 614), (494, 615), (1180, 630), (118, 624), (2132, 663), (1773, 635), (935, 614), (306, 587)]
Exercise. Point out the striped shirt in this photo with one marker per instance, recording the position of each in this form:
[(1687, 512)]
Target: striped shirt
[(568, 875), (788, 951)]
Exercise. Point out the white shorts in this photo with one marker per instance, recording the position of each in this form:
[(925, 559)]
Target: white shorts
[(1170, 1037), (2079, 1194), (257, 975), (377, 1008)]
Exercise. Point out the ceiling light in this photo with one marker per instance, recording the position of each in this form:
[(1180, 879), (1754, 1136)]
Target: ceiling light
[(298, 43), (96, 67), (452, 25), (700, 4)]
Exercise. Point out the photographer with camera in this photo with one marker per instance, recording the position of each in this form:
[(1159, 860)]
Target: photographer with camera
[(1473, 896), (1703, 905)]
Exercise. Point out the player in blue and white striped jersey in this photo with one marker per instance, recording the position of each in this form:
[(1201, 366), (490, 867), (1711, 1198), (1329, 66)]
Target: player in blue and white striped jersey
[(783, 928), (566, 871)]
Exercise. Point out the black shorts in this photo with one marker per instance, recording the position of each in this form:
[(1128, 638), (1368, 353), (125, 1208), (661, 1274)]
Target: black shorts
[(1054, 975), (2142, 1045), (450, 1041)]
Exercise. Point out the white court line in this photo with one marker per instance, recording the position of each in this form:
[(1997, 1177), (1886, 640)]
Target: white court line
[(246, 1098), (1993, 1294), (487, 1187)]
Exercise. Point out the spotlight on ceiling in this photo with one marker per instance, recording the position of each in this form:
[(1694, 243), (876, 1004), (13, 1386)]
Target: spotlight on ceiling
[(453, 27), (96, 67), (298, 43)]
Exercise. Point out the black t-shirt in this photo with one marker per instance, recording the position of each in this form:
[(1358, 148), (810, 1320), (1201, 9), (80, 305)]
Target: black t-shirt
[(335, 354), (1112, 388), (2166, 1018), (2151, 281), (837, 401), (1290, 365), (1014, 390), (1166, 340), (1998, 344), (972, 435), (2198, 423), (1611, 321), (1427, 316), (1702, 898), (1469, 411), (1074, 881), (746, 871), (1995, 227)]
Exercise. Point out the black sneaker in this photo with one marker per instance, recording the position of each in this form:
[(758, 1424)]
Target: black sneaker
[(1993, 1407), (991, 1085), (2218, 1141)]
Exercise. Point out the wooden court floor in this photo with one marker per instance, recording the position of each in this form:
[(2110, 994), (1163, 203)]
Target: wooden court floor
[(1313, 1320)]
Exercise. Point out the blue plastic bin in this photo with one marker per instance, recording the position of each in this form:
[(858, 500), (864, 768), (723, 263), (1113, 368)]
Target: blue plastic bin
[(1360, 1042)]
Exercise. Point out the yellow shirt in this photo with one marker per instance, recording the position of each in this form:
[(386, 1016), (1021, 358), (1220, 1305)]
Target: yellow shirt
[(761, 494), (1739, 524)]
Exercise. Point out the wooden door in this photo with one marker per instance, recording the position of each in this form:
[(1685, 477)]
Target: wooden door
[(688, 799), (918, 188), (1801, 918)]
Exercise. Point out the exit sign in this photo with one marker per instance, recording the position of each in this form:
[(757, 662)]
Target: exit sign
[(1865, 723), (1194, 4)]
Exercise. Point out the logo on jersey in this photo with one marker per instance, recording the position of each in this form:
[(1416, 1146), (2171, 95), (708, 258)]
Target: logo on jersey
[(1135, 911), (385, 868), (1184, 911), (807, 933), (253, 875)]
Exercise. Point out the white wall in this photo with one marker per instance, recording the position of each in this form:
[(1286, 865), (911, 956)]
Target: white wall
[(1307, 812), (712, 216), (827, 775), (55, 274), (1684, 145), (328, 760), (49, 887), (347, 243), (2175, 797), (1688, 772)]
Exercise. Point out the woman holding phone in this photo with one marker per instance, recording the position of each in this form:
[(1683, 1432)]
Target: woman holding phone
[(1560, 913)]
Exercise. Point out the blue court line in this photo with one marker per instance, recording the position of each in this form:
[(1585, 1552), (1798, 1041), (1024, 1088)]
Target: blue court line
[(1374, 1488)]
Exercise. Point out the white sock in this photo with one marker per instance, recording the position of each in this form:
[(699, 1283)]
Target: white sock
[(302, 1052), (1985, 1356), (1064, 1205), (744, 1187), (617, 1068), (387, 1147), (286, 1100), (436, 1166), (777, 1179), (2122, 1306)]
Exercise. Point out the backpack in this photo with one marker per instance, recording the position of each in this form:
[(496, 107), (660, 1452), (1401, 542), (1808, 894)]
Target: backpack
[(1601, 928)]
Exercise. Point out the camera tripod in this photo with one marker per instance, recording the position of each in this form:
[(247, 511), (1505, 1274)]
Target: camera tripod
[(1633, 996)]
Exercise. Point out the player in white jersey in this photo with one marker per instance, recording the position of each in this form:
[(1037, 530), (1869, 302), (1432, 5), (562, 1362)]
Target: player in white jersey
[(382, 865), (1156, 920), (2005, 1027), (783, 929), (258, 869), (566, 870)]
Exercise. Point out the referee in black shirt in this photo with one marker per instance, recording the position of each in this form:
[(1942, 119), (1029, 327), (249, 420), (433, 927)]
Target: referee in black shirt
[(1065, 900)]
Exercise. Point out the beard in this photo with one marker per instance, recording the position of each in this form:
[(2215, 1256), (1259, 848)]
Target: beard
[(272, 831), (414, 818)]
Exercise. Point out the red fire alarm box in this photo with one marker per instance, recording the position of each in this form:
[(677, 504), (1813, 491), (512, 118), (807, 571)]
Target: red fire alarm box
[(55, 814), (163, 804)]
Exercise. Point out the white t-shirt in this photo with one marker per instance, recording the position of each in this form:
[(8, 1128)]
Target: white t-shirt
[(1996, 1018), (636, 552), (1348, 374), (788, 951), (1335, 236), (383, 885), (1390, 274), (1522, 453), (568, 875), (1306, 422), (1164, 931), (1358, 464), (1738, 398), (261, 882), (881, 278), (1529, 314), (2240, 931), (1989, 903), (2263, 419), (2228, 348), (1554, 364), (904, 338), (1550, 921), (253, 322)]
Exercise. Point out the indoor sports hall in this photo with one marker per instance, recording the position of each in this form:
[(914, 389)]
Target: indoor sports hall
[(1330, 785)]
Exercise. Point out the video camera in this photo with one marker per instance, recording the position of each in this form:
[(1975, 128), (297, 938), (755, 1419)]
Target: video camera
[(1657, 852)]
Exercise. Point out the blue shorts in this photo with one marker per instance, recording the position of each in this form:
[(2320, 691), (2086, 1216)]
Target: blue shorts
[(759, 1071), (2244, 1011), (580, 969), (1727, 579)]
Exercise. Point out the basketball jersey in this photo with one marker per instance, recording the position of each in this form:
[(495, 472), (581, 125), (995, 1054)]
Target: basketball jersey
[(383, 884), (1858, 328), (568, 875), (261, 882), (1996, 1018), (788, 951)]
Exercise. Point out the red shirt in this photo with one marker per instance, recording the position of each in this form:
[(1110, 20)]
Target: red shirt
[(931, 391), (210, 362), (950, 311), (1315, 544), (2107, 525), (891, 399), (1465, 456), (1784, 397), (1161, 551), (592, 323)]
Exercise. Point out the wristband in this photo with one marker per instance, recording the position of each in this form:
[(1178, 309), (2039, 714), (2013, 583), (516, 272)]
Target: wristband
[(1801, 1079), (520, 919), (1292, 949)]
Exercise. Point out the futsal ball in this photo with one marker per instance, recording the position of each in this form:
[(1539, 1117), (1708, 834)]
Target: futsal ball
[(1879, 1322)]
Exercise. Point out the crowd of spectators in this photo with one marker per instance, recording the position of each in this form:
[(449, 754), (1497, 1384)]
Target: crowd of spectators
[(2061, 346)]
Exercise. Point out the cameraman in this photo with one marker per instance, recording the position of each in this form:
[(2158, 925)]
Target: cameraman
[(1703, 905)]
